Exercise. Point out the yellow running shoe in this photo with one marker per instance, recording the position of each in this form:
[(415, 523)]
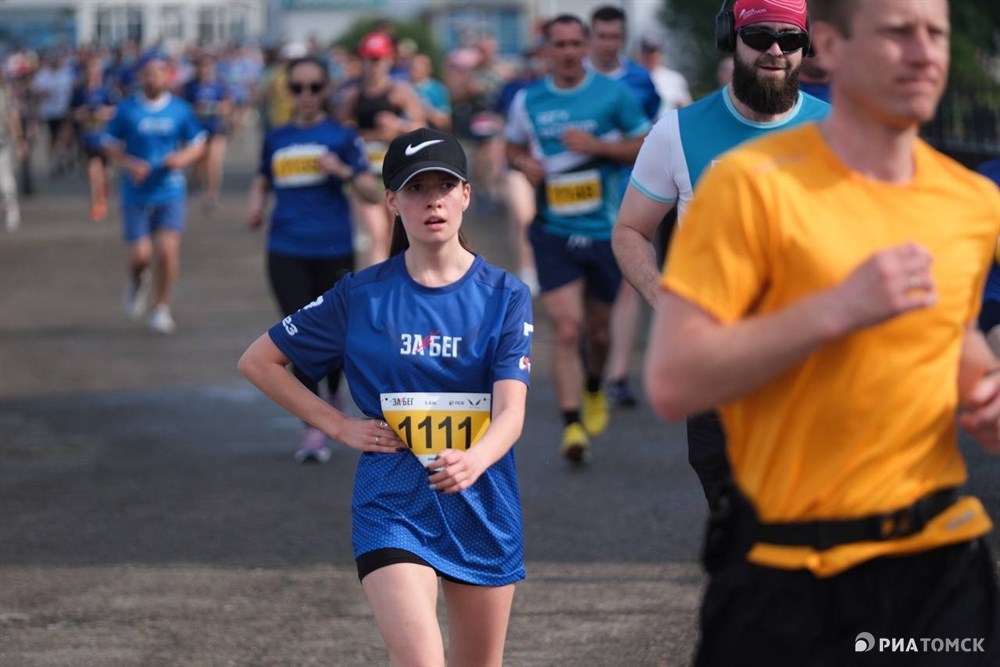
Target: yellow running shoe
[(595, 412), (575, 443)]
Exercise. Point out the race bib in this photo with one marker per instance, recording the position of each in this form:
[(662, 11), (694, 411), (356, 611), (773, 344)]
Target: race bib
[(297, 166), (430, 423), (92, 124), (575, 193), (375, 151)]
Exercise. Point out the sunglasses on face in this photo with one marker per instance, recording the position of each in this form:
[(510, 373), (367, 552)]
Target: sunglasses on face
[(313, 87), (761, 39)]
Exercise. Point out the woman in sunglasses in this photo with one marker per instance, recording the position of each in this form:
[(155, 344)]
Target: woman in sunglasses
[(307, 164), (381, 109)]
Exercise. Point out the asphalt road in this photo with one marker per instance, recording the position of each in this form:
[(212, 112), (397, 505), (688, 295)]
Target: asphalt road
[(151, 513)]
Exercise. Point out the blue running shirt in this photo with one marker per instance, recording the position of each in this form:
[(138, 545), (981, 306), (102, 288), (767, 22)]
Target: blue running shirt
[(685, 142), (991, 169), (150, 132), (636, 78), (93, 99), (311, 217), (205, 99), (581, 194), (393, 336)]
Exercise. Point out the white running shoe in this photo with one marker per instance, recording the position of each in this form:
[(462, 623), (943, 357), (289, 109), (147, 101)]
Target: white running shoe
[(161, 321), (313, 448), (13, 221), (137, 295)]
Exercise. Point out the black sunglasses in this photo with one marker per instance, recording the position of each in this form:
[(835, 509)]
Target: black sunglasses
[(761, 39), (314, 87)]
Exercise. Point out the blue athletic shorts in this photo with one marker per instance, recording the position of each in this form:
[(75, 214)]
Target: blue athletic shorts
[(141, 220), (560, 260)]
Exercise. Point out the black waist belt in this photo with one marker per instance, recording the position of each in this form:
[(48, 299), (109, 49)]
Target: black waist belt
[(822, 535)]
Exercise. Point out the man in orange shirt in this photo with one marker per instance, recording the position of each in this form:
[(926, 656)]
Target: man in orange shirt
[(823, 294)]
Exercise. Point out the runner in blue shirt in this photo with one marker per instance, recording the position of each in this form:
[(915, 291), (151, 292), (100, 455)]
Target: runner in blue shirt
[(763, 97), (607, 40), (570, 133), (989, 316), (153, 137), (435, 344), (212, 103), (307, 164), (92, 106)]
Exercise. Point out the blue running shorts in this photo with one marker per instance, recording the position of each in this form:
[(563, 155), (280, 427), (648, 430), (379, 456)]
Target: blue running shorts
[(142, 220), (562, 259)]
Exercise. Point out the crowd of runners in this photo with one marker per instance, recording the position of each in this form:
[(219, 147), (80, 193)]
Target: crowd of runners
[(772, 331)]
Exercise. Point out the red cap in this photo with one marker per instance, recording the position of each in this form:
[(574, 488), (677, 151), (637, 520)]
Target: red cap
[(747, 12), (375, 45)]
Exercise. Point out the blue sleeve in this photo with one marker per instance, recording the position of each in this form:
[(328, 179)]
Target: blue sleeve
[(313, 338), (651, 98), (443, 97), (513, 358), (117, 127), (631, 119), (265, 159), (353, 151)]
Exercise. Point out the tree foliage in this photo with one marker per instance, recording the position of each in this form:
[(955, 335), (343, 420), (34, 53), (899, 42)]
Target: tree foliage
[(417, 31)]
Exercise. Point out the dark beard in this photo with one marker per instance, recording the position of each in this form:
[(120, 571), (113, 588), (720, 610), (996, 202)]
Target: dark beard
[(767, 96)]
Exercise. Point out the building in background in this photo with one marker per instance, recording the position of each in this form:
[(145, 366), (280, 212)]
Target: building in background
[(511, 22), (47, 24)]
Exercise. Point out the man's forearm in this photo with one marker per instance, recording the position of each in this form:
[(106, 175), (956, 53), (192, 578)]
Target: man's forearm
[(636, 257), (188, 155), (695, 363), (368, 187), (975, 361), (624, 151)]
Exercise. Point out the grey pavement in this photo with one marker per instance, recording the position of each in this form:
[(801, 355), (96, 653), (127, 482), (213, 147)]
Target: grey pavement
[(151, 513)]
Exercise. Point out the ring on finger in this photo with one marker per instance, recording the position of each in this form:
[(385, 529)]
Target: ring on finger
[(378, 440), (382, 424)]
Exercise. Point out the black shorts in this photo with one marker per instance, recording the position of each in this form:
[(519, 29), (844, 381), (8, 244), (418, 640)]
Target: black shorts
[(989, 316), (55, 124), (379, 558), (707, 453), (753, 615), (92, 151)]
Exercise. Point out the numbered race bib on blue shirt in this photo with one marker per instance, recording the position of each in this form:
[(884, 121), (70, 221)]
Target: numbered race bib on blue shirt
[(430, 423)]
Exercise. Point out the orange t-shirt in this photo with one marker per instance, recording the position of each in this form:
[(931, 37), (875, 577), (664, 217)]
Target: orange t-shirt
[(865, 424)]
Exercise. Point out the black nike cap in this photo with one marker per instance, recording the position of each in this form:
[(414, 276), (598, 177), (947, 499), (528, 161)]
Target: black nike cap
[(419, 151)]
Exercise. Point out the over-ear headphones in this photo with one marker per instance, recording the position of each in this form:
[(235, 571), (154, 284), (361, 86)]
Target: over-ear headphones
[(725, 32), (725, 29)]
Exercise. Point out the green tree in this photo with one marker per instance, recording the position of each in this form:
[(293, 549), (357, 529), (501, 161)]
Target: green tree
[(418, 32)]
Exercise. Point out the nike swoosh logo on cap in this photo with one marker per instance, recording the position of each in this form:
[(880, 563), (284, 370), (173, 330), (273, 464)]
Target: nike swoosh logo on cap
[(411, 149)]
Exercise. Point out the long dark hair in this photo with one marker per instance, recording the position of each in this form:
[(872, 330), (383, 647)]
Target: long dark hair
[(400, 241)]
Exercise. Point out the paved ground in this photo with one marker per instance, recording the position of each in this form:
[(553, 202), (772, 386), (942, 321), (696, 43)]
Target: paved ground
[(150, 513)]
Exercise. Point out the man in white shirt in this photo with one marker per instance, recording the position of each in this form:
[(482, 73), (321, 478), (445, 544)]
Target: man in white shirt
[(53, 86), (670, 84)]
